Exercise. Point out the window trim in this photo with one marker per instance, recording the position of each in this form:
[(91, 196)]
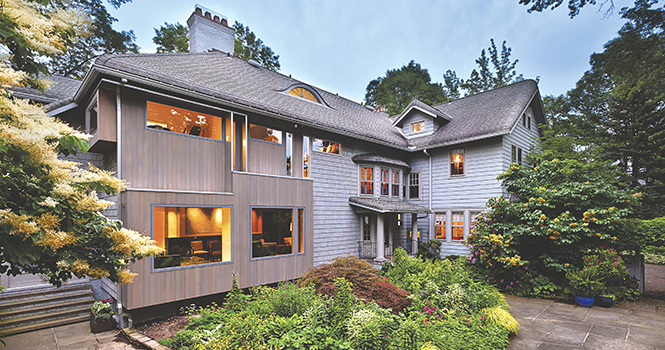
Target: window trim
[(445, 223), (152, 236), (517, 154), (419, 185), (397, 184), (293, 221), (464, 163)]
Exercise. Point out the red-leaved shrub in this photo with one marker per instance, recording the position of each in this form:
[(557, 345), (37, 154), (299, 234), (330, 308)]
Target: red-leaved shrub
[(367, 284)]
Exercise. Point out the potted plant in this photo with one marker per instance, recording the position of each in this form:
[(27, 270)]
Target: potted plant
[(101, 316), (585, 284)]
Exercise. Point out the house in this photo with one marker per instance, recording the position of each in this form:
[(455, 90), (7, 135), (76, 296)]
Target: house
[(235, 168)]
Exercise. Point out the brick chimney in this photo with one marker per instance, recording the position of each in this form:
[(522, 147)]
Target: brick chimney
[(209, 30)]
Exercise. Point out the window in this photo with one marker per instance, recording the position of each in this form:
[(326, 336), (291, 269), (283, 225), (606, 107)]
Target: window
[(192, 235), (458, 226), (366, 180), (272, 232), (305, 156), (239, 150), (395, 184), (366, 236), (457, 162), (304, 93), (263, 133), (327, 146), (440, 225), (301, 230), (417, 127), (289, 154), (385, 185), (516, 154), (414, 185), (92, 118), (182, 121)]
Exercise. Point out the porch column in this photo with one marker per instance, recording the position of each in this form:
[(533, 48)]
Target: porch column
[(379, 239), (414, 233)]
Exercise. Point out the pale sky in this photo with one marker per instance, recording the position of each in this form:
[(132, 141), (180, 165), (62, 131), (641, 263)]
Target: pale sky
[(341, 45)]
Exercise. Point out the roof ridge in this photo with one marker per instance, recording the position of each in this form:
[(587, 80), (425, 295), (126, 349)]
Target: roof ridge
[(486, 91)]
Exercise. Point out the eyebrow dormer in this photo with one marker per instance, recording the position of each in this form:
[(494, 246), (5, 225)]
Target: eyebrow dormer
[(420, 119)]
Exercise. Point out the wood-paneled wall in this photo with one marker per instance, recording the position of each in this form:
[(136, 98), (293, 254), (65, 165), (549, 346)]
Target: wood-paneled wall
[(158, 287)]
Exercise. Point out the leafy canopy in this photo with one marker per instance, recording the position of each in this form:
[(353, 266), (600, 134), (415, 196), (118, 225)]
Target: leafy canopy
[(172, 38), (49, 209)]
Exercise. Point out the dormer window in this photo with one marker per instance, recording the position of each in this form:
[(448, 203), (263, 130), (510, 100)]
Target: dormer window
[(418, 127), (304, 93)]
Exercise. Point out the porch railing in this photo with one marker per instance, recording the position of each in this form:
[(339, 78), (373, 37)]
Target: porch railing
[(366, 249)]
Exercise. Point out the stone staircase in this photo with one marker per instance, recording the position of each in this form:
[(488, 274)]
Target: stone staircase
[(30, 309)]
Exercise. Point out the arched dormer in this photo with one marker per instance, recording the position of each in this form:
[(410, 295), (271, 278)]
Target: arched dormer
[(306, 93)]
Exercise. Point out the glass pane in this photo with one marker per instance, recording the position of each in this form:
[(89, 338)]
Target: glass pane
[(272, 232), (326, 146), (183, 121), (289, 153), (301, 230), (263, 133), (440, 232), (305, 156), (192, 235), (458, 233)]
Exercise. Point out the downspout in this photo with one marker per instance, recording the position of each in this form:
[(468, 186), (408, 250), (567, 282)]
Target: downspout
[(429, 225), (118, 153)]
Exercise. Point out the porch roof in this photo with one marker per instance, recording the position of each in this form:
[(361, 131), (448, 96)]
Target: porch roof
[(381, 205)]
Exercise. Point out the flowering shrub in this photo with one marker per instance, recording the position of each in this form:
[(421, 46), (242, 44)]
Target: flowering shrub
[(102, 309), (557, 211)]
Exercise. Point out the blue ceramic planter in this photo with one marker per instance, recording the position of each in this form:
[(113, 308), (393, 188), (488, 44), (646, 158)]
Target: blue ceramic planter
[(584, 301), (603, 301)]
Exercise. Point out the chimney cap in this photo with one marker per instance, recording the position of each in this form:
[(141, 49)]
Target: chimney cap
[(202, 9)]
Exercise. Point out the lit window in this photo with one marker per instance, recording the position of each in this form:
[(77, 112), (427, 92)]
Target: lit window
[(395, 184), (305, 156), (457, 162), (440, 225), (458, 226), (289, 154), (303, 93), (301, 230), (272, 232), (417, 127), (366, 180), (192, 235), (414, 185), (263, 133), (326, 146), (182, 121), (384, 182)]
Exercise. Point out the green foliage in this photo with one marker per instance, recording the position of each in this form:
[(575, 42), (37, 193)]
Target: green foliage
[(429, 250), (236, 299), (367, 329), (172, 38), (249, 47), (640, 234), (342, 302), (654, 255), (367, 284), (499, 316), (102, 309), (587, 282), (559, 210), (400, 86), (289, 299)]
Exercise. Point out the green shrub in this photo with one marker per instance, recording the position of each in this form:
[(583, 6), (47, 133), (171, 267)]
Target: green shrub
[(236, 299), (654, 255), (367, 330), (289, 299), (429, 250), (343, 301), (587, 282)]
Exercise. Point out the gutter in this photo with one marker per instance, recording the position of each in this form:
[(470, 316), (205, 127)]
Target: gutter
[(430, 191)]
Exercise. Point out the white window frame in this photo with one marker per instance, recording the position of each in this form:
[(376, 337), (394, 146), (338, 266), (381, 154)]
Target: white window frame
[(411, 181)]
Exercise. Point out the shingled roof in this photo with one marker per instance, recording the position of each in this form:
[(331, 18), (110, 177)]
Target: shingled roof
[(232, 79), (381, 205), (487, 114), (60, 92), (423, 107)]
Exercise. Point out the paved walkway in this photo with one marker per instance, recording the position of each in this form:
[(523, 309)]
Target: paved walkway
[(75, 336), (546, 324)]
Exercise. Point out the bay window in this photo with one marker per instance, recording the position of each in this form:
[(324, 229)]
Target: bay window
[(366, 180)]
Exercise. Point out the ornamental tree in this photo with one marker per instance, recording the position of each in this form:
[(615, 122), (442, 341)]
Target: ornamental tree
[(49, 209), (555, 212)]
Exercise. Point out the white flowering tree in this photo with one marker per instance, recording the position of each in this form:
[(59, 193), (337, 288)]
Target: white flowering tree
[(49, 210)]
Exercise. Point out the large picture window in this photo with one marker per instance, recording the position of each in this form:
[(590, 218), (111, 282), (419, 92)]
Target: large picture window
[(326, 146), (182, 121), (366, 180), (272, 232), (258, 132), (192, 235)]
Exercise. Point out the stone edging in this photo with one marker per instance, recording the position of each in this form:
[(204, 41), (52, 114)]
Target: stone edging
[(139, 338)]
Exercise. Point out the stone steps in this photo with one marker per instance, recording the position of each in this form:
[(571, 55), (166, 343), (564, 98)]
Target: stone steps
[(31, 309)]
